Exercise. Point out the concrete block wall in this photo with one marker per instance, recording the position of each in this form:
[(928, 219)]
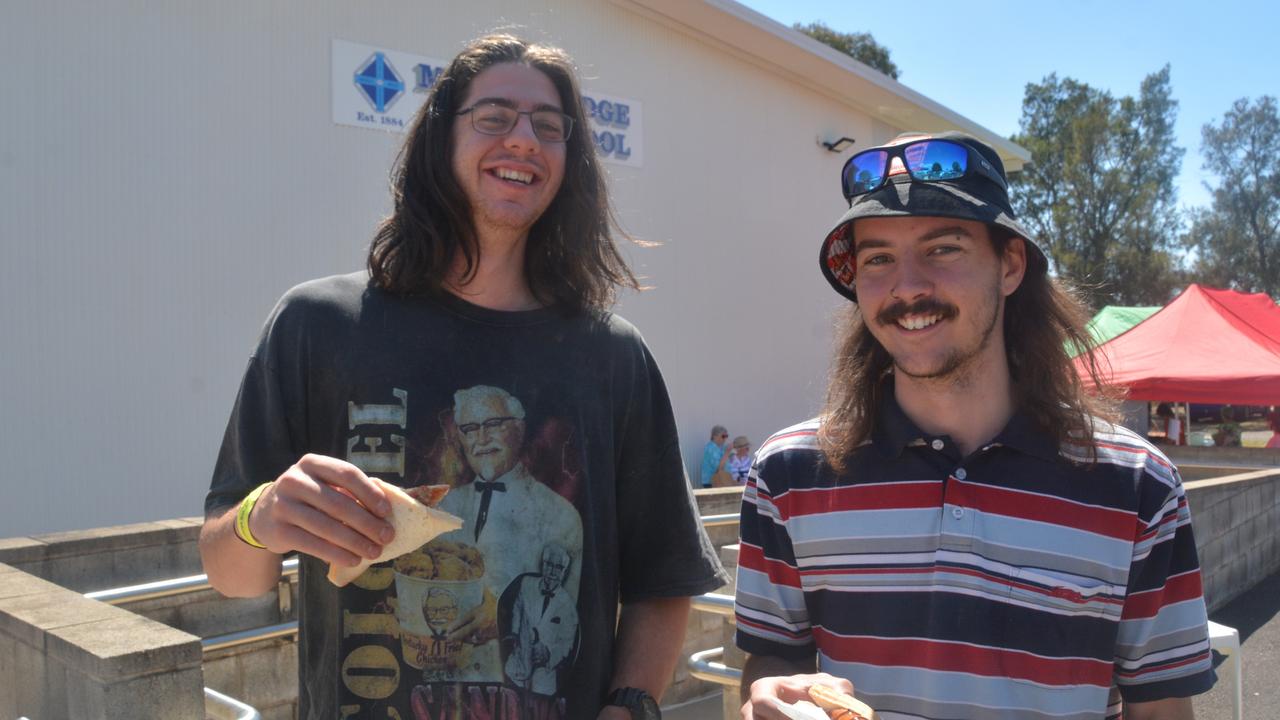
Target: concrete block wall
[(53, 640), (1218, 457), (65, 656), (1236, 519), (704, 629), (102, 558), (264, 675)]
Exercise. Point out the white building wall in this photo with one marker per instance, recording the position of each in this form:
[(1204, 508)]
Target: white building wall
[(169, 169)]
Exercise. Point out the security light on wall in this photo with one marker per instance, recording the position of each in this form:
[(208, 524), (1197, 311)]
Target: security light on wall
[(838, 145)]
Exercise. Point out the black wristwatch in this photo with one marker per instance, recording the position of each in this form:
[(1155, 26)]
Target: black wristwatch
[(640, 703)]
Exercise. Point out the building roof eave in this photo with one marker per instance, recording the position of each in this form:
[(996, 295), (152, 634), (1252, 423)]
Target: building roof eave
[(793, 54)]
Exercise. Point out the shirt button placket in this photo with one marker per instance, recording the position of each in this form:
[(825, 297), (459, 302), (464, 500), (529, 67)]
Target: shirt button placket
[(961, 529)]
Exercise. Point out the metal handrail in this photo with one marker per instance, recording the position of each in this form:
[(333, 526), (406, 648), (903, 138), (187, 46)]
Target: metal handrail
[(289, 568), (245, 637), (720, 520), (706, 665), (170, 587), (229, 707), (715, 603)]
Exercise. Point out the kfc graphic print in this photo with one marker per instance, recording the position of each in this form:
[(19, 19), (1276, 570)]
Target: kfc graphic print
[(483, 621)]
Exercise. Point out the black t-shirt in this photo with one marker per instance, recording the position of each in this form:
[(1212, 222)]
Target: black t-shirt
[(557, 437)]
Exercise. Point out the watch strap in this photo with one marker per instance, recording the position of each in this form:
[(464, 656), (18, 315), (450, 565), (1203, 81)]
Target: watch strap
[(640, 703)]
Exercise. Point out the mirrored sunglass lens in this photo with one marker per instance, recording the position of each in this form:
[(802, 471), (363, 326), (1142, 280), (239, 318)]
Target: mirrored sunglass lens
[(936, 160), (865, 171)]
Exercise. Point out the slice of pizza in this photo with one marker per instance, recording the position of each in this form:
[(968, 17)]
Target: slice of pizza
[(839, 705), (415, 520)]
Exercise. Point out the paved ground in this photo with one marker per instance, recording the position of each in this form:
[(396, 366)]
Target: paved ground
[(1256, 614)]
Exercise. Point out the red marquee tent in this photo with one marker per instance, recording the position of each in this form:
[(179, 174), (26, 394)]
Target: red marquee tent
[(1207, 346)]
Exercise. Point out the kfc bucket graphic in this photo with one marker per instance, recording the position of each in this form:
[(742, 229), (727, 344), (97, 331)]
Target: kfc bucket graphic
[(435, 587)]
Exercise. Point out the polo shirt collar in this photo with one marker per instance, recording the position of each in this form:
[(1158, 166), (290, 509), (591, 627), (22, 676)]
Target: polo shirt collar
[(1022, 435), (894, 431)]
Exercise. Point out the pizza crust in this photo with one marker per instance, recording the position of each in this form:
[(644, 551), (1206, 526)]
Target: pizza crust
[(415, 524)]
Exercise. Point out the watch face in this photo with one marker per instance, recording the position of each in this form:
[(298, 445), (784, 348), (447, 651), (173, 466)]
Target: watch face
[(649, 709), (640, 703)]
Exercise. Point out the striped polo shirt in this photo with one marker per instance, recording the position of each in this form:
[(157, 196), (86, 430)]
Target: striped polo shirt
[(1017, 582)]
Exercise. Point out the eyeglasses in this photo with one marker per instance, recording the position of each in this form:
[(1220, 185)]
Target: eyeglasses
[(550, 126), (490, 424), (927, 160)]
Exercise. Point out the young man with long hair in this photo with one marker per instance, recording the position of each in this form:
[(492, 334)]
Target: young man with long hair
[(477, 350), (963, 533)]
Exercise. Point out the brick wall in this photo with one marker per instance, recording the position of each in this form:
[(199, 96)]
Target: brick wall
[(1236, 519)]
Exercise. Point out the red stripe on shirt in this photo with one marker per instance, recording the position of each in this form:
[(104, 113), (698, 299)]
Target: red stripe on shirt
[(880, 496), (1157, 528), (1160, 667), (776, 439), (959, 657), (740, 620), (1117, 524), (1176, 589), (753, 558), (1135, 450)]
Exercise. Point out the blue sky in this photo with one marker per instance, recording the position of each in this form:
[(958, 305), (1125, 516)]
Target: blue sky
[(977, 57)]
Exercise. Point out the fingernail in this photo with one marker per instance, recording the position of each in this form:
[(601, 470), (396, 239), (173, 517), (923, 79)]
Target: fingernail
[(384, 507), (387, 534), (373, 551)]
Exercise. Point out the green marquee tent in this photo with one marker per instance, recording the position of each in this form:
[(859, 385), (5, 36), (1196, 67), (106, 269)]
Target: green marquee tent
[(1113, 320)]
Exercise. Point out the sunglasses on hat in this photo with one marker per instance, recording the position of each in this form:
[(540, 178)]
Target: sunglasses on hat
[(925, 160)]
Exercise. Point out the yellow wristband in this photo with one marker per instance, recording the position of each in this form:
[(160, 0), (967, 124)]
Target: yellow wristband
[(242, 517)]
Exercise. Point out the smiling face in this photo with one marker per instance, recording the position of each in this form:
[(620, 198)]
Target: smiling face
[(932, 293), (491, 435), (511, 179), (439, 609)]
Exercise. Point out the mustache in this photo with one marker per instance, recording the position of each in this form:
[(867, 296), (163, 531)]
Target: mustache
[(891, 314)]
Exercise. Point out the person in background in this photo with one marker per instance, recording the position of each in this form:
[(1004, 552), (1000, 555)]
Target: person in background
[(1273, 422), (1171, 424), (740, 457), (713, 455), (1228, 434)]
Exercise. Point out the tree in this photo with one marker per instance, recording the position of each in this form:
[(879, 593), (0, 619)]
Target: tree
[(1099, 191), (1238, 236), (859, 46)]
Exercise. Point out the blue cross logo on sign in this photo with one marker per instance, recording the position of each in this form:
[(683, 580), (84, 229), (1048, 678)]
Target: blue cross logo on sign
[(378, 82)]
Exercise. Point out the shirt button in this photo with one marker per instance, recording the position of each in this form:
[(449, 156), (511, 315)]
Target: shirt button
[(957, 513), (937, 444), (961, 474)]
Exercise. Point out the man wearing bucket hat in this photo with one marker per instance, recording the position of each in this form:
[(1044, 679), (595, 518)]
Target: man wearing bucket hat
[(962, 533)]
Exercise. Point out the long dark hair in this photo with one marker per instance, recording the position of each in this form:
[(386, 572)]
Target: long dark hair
[(571, 260), (1044, 323)]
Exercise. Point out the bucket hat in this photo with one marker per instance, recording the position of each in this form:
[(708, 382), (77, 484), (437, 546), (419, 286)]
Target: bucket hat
[(972, 196)]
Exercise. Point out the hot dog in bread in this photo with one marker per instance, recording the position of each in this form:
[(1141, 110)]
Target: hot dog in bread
[(839, 705)]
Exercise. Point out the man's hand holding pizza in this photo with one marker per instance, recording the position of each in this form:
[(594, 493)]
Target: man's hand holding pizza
[(326, 508)]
